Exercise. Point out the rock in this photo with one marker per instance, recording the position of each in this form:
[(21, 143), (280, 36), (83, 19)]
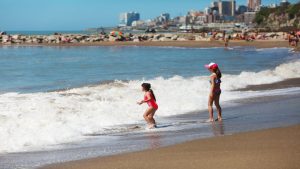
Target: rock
[(168, 35), (51, 38), (17, 41), (181, 39), (5, 38), (34, 40), (136, 40), (74, 41), (157, 36), (198, 38), (112, 39), (15, 36), (164, 39), (174, 37)]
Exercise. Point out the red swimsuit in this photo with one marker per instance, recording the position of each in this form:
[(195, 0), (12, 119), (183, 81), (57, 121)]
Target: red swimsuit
[(151, 102)]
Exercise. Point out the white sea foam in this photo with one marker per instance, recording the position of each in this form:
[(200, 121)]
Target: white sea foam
[(32, 121)]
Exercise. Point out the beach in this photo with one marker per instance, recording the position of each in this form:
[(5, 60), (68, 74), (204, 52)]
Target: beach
[(273, 148), (167, 85)]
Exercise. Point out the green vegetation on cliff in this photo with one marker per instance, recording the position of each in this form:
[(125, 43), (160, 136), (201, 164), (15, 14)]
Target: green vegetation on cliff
[(280, 17)]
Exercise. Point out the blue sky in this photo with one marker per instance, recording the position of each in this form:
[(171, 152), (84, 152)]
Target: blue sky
[(81, 14)]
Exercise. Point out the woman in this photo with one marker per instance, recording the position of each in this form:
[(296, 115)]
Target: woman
[(215, 91), (150, 99)]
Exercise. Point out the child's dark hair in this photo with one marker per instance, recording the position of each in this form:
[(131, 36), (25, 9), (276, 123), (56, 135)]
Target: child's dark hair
[(147, 87)]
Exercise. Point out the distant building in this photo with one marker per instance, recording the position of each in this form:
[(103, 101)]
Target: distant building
[(207, 11), (165, 16), (139, 24), (249, 17), (214, 4), (284, 3), (227, 8), (242, 9), (212, 18), (127, 18), (254, 5)]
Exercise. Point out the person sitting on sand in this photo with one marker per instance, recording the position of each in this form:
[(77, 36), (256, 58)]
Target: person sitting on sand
[(215, 91), (150, 99)]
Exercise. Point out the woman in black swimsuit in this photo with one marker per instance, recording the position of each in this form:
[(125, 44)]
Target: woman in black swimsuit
[(215, 91)]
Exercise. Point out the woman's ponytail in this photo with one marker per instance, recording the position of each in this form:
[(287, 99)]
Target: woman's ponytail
[(151, 91), (218, 72)]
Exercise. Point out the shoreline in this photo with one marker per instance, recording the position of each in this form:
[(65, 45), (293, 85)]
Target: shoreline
[(189, 43), (271, 148)]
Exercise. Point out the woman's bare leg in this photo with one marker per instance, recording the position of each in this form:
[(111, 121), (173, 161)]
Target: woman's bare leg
[(217, 104), (210, 109)]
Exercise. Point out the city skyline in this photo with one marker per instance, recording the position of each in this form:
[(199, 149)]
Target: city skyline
[(80, 14)]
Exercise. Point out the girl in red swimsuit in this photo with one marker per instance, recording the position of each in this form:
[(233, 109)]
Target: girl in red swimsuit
[(215, 91), (150, 99)]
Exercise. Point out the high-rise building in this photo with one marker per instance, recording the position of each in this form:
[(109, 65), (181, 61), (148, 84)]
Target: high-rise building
[(207, 11), (242, 9), (227, 8), (127, 18), (166, 16), (254, 5), (214, 4)]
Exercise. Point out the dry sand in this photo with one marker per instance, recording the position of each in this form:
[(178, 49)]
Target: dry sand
[(273, 148), (257, 44)]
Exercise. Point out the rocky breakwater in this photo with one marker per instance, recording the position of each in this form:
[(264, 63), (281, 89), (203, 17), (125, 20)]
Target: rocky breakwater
[(79, 38)]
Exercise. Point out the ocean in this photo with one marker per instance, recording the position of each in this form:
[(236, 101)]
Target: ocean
[(51, 96)]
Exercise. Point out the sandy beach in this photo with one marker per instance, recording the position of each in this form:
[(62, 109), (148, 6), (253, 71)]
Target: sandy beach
[(204, 44), (273, 148)]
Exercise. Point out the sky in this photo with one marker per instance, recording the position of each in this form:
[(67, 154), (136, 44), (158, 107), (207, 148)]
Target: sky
[(36, 15)]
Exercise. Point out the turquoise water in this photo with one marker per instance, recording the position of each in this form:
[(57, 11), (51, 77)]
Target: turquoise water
[(34, 69)]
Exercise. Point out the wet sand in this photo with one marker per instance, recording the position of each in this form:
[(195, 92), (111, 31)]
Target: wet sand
[(294, 82), (277, 148), (257, 44)]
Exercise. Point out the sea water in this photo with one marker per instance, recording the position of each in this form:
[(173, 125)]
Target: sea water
[(55, 95)]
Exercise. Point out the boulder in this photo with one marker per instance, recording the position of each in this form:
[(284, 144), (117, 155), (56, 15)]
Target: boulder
[(112, 39), (35, 40), (136, 40), (17, 41), (164, 39), (168, 35), (51, 38), (174, 37), (157, 36), (5, 38), (74, 41), (182, 39), (198, 38), (15, 36)]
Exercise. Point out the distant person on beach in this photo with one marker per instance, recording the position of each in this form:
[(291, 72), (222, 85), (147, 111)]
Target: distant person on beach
[(215, 91), (226, 40), (150, 99)]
